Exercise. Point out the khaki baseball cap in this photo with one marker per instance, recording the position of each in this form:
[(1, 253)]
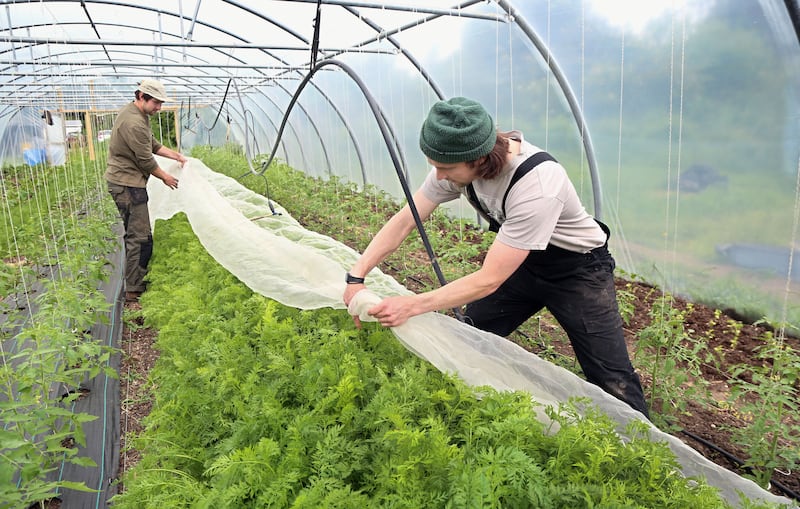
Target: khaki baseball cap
[(154, 89)]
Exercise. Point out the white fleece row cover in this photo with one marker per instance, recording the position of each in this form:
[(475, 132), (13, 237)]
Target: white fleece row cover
[(278, 258)]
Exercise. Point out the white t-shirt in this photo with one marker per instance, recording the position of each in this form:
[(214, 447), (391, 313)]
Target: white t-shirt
[(542, 208)]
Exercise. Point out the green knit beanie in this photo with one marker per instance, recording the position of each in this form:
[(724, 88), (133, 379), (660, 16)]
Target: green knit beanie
[(457, 130)]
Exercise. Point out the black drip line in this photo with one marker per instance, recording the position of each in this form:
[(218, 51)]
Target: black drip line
[(739, 462), (794, 14), (392, 145)]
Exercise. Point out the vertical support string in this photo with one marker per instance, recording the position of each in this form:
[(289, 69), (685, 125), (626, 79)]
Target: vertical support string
[(547, 83), (497, 69), (787, 291), (669, 142), (583, 90), (621, 102), (681, 71), (623, 251), (511, 69)]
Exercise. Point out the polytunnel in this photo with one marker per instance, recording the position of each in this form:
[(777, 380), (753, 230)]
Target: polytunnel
[(677, 121)]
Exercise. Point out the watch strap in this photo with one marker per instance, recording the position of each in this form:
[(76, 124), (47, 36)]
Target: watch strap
[(353, 280)]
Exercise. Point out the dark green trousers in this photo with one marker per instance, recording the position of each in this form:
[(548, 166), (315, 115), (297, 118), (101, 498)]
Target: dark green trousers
[(132, 205)]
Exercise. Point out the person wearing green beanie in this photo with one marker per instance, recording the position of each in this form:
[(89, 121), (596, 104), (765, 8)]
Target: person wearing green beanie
[(457, 130), (548, 252)]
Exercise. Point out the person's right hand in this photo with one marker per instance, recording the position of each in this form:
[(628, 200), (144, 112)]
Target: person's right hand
[(349, 292)]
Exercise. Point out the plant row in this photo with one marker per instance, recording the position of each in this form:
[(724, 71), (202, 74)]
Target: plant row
[(260, 405), (667, 353), (56, 235)]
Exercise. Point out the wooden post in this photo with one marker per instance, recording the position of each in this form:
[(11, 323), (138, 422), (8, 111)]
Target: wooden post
[(60, 95), (87, 118)]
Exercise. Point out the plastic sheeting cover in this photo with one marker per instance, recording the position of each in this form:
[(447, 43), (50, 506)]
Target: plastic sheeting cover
[(278, 258)]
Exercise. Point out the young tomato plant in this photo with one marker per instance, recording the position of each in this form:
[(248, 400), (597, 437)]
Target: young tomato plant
[(766, 395), (668, 355), (54, 252)]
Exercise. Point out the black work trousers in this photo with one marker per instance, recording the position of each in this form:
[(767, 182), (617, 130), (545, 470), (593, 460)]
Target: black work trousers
[(578, 289)]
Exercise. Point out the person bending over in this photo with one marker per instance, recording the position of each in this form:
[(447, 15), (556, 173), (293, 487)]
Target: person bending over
[(548, 252)]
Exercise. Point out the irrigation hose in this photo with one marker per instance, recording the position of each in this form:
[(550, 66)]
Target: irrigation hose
[(739, 462), (392, 146)]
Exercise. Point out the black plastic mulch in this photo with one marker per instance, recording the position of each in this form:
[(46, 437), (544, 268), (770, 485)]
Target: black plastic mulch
[(99, 397)]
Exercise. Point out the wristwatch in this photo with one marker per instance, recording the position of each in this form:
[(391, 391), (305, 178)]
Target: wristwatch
[(353, 280)]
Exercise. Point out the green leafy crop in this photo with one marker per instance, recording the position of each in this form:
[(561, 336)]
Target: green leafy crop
[(260, 405)]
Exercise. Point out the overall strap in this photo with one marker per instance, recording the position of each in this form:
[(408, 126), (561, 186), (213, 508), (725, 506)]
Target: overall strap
[(476, 204), (524, 167)]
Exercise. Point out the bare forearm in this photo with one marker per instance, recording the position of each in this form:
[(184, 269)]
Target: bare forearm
[(385, 242), (159, 173), (501, 261), (395, 311), (169, 180), (171, 154), (457, 293)]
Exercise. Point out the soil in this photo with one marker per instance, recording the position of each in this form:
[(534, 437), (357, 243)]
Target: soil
[(139, 355), (733, 341)]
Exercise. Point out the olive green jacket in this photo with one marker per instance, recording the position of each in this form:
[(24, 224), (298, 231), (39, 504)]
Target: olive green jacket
[(131, 149)]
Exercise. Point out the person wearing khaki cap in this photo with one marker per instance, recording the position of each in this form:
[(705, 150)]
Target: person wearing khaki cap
[(130, 164)]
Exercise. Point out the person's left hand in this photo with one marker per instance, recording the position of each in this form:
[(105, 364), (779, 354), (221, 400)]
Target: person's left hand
[(170, 181), (393, 311), (349, 292), (182, 159)]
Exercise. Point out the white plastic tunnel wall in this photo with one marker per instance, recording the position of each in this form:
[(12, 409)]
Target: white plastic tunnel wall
[(690, 111), (33, 137)]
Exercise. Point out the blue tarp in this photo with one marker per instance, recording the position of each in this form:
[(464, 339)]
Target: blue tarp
[(34, 156)]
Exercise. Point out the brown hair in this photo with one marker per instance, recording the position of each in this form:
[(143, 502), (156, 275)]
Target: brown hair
[(141, 95), (493, 162)]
